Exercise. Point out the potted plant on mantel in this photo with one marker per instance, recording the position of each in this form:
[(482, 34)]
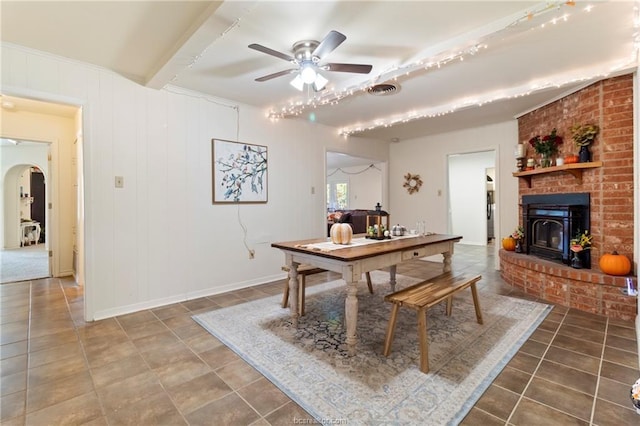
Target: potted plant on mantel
[(518, 235), (583, 135)]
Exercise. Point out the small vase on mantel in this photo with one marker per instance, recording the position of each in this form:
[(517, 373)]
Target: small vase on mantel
[(576, 261), (584, 155), (519, 246), (546, 160)]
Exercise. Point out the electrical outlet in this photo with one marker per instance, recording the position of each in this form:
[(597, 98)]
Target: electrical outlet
[(252, 254), (119, 182)]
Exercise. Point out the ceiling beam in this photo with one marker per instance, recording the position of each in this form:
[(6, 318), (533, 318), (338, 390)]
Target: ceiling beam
[(219, 18)]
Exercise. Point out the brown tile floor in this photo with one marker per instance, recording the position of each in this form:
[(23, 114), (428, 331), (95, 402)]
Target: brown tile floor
[(160, 367)]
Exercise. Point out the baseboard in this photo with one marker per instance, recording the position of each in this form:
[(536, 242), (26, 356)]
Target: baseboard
[(156, 303)]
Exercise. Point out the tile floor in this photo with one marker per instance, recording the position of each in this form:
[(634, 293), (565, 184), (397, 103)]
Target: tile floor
[(158, 367)]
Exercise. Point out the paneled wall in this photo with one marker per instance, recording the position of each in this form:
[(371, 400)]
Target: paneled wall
[(159, 239)]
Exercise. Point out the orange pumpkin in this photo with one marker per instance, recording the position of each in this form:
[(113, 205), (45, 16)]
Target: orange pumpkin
[(615, 264), (509, 243), (570, 159), (341, 233)]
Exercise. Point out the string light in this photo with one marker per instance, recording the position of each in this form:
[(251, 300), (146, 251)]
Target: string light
[(436, 62), (332, 96), (369, 167), (478, 101)]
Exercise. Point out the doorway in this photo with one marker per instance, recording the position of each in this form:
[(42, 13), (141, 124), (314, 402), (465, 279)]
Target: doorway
[(353, 182), (32, 124), (468, 195)]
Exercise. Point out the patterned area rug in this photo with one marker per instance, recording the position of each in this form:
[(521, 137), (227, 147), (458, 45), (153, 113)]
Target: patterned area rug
[(311, 365)]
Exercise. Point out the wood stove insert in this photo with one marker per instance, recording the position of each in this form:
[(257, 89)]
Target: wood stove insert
[(551, 221)]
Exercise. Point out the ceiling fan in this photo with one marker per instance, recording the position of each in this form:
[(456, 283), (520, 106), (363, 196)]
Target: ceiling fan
[(307, 55)]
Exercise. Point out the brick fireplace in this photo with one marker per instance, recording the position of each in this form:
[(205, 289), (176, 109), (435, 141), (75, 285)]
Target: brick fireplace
[(609, 104)]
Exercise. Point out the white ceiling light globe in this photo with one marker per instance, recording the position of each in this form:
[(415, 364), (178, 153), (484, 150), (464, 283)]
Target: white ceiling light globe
[(308, 75)]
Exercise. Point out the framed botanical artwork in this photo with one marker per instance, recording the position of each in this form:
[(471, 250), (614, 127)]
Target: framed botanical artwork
[(239, 172)]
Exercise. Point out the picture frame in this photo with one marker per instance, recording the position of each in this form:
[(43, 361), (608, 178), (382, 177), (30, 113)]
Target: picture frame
[(239, 172)]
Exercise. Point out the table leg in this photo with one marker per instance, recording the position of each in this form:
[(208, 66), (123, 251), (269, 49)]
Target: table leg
[(351, 315), (293, 293), (446, 261), (392, 277)]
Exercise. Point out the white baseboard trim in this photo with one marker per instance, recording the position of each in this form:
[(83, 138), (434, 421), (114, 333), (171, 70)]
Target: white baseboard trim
[(156, 303)]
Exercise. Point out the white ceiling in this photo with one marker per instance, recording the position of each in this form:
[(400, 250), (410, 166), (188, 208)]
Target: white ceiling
[(497, 59)]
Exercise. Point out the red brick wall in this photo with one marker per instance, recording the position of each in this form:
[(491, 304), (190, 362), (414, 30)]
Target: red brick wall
[(609, 104)]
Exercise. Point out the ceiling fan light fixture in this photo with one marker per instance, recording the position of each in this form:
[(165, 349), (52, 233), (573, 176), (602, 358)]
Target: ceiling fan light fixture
[(320, 82), (308, 74), (297, 83), (307, 56)]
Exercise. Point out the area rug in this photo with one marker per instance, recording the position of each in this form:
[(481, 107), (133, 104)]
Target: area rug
[(25, 263), (310, 364)]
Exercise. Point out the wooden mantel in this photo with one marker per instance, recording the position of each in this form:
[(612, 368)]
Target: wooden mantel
[(574, 169)]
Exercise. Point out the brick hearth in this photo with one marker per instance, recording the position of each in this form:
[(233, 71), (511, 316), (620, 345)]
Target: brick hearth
[(585, 289), (609, 104)]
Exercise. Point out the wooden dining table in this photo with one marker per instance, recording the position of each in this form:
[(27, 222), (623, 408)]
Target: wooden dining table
[(360, 256)]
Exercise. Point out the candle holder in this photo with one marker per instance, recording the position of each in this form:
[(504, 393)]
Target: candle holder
[(520, 153)]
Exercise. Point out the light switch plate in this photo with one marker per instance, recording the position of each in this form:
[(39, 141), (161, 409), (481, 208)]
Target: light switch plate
[(119, 182)]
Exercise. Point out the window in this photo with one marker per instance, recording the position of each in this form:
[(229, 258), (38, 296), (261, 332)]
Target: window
[(337, 195)]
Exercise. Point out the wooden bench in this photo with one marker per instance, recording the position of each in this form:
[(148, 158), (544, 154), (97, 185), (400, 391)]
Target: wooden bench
[(421, 297), (303, 271)]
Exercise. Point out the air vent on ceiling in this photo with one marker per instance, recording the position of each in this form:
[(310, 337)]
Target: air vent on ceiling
[(382, 89)]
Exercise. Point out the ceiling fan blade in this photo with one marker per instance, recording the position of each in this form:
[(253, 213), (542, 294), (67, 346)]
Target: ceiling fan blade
[(276, 74), (329, 43), (357, 68), (263, 49)]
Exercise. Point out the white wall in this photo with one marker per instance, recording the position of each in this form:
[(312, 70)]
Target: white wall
[(159, 239), (78, 268), (24, 181), (428, 157)]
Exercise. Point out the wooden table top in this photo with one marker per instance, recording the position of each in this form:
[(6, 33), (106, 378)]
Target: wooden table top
[(357, 252)]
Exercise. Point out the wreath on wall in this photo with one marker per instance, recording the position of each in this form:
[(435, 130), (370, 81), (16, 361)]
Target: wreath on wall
[(412, 183)]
